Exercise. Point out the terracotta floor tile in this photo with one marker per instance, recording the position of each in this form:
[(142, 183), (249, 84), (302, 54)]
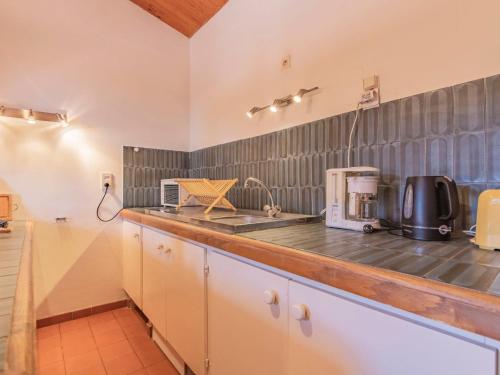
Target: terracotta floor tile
[(123, 312), (115, 350), (72, 325), (128, 320), (96, 370), (102, 317), (109, 337), (49, 342), (123, 365), (49, 331), (81, 333), (146, 350), (78, 345), (140, 372), (104, 326), (56, 368), (136, 329), (162, 368), (49, 355), (82, 362)]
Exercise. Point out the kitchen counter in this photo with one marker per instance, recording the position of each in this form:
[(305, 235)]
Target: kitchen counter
[(452, 282), (17, 320)]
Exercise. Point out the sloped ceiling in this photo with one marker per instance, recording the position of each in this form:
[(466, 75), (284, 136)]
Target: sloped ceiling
[(186, 16)]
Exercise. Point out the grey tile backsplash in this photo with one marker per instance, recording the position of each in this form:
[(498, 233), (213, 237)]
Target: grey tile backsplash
[(452, 131)]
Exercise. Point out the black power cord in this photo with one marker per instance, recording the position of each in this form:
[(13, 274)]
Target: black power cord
[(391, 228), (106, 186)]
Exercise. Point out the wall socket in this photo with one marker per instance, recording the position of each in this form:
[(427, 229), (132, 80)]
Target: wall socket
[(371, 95), (106, 178)]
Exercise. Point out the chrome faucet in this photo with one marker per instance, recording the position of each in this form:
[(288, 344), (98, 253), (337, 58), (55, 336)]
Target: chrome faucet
[(271, 210)]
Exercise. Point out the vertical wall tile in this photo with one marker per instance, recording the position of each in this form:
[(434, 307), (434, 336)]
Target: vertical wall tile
[(389, 203), (346, 122), (390, 163), (333, 133), (493, 101), (469, 157), (439, 156), (469, 106), (493, 155), (388, 129), (412, 117), (412, 160), (438, 112), (368, 127)]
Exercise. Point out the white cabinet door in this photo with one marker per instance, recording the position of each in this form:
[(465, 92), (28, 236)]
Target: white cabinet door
[(342, 337), (132, 261), (154, 279), (247, 332), (185, 289)]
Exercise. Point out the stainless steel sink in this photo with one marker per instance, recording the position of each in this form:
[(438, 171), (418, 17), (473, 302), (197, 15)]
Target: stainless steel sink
[(229, 221)]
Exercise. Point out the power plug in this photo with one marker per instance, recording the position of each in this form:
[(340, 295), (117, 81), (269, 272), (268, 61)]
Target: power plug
[(106, 180)]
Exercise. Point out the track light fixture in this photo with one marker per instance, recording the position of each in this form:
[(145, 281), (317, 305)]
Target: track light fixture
[(282, 102), (32, 117), (254, 110)]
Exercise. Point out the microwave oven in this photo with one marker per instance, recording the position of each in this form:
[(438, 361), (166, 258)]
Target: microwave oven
[(172, 194)]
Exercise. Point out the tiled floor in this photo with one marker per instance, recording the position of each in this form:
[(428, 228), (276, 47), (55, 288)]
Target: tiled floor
[(112, 343)]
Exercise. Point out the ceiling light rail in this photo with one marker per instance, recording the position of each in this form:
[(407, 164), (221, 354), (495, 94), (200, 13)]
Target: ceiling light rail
[(282, 102), (32, 117)]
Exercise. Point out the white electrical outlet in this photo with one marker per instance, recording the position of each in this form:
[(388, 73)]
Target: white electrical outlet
[(371, 95), (106, 178)]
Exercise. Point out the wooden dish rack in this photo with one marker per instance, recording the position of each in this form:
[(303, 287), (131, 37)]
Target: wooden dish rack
[(210, 193)]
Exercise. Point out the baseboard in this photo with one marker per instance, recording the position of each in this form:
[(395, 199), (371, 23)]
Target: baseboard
[(80, 313)]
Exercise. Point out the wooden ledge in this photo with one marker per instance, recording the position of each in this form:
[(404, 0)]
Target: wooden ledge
[(463, 308)]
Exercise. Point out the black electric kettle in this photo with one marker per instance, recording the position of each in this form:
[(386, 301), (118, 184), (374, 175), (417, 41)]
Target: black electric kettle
[(430, 205)]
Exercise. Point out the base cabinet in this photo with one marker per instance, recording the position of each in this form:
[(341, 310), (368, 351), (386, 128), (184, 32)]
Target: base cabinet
[(154, 279), (186, 303), (247, 319), (132, 261), (341, 337)]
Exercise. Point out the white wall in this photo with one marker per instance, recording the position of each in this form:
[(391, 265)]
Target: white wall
[(123, 77), (414, 46)]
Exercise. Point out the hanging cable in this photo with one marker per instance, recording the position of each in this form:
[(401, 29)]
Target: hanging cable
[(358, 109), (106, 187)]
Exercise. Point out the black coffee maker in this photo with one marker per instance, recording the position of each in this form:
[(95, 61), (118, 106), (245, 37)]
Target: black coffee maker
[(430, 205)]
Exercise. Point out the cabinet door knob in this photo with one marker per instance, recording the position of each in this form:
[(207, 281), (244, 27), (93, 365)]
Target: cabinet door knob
[(167, 250), (161, 247), (271, 297), (136, 235), (300, 312)]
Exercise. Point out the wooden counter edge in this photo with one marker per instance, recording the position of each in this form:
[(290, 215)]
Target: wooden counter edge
[(20, 357), (463, 308)]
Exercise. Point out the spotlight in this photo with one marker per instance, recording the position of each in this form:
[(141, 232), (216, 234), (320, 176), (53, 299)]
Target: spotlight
[(274, 107), (297, 98), (253, 111), (31, 117), (63, 120)]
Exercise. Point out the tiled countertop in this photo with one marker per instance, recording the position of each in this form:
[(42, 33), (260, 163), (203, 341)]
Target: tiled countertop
[(452, 282), (12, 247), (456, 262)]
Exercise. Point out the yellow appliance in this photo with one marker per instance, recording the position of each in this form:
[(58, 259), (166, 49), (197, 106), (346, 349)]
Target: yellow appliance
[(488, 220)]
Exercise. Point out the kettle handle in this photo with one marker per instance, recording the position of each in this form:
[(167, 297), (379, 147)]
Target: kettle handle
[(453, 204)]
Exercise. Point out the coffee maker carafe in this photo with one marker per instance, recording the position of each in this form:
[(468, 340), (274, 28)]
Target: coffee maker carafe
[(430, 205)]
